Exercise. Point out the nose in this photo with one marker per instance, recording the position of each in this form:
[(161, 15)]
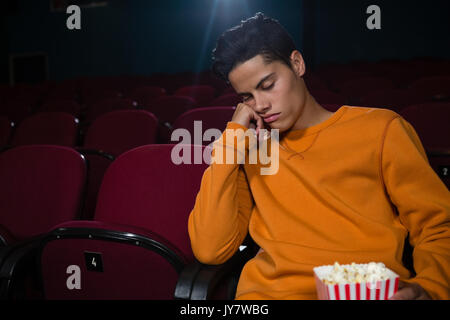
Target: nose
[(262, 105)]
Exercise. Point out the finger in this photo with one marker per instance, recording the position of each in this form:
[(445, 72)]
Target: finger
[(407, 293), (424, 296), (259, 124)]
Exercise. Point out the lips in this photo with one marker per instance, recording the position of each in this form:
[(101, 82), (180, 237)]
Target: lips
[(271, 118)]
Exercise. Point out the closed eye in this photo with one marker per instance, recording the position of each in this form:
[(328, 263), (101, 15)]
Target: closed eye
[(269, 86), (246, 98)]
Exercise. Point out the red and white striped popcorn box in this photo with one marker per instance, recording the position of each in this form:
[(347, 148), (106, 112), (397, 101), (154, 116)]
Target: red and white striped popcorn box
[(380, 290)]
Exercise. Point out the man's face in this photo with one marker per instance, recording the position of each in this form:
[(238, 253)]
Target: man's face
[(270, 89)]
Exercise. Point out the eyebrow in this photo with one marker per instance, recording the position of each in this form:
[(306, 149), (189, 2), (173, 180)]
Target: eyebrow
[(258, 85)]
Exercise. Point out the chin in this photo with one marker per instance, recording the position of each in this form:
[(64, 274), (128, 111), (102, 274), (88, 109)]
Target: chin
[(280, 127)]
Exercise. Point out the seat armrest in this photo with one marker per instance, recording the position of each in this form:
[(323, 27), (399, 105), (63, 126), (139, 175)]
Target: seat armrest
[(438, 152), (14, 259), (101, 153), (120, 233), (198, 281), (6, 237), (186, 279)]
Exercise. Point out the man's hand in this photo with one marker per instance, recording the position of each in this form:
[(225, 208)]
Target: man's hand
[(410, 291), (246, 116)]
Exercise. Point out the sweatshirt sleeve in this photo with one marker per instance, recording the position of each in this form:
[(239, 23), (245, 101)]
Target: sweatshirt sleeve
[(218, 223), (423, 204)]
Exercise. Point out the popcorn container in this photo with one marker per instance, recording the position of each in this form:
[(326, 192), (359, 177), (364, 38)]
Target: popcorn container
[(379, 290)]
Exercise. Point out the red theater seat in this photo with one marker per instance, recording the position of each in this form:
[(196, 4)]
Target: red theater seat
[(395, 99), (203, 94), (430, 120), (168, 108), (57, 128), (109, 136), (433, 88), (145, 95), (107, 105), (328, 97), (118, 131), (62, 105), (138, 243), (209, 118), (231, 99), (358, 87), (40, 186), (17, 109)]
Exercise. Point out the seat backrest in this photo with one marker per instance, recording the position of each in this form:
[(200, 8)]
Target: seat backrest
[(334, 75), (138, 242), (64, 91), (145, 188), (61, 105), (328, 97), (435, 88), (203, 94), (145, 94), (396, 99), (40, 186), (107, 105), (230, 99), (58, 128), (210, 117), (17, 109), (118, 131), (90, 95), (359, 87), (168, 108), (430, 120)]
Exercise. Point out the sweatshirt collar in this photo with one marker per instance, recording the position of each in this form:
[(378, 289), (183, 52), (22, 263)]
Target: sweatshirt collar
[(297, 134)]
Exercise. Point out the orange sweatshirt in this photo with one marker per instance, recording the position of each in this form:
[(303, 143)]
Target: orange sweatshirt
[(348, 190)]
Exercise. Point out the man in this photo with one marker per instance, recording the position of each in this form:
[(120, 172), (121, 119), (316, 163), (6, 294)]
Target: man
[(351, 185)]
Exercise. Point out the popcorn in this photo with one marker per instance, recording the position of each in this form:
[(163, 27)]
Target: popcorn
[(354, 273), (371, 281)]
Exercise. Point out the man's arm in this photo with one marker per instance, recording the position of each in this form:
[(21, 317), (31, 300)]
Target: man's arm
[(423, 203), (218, 223)]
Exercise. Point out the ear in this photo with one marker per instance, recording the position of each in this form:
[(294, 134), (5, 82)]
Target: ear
[(298, 64)]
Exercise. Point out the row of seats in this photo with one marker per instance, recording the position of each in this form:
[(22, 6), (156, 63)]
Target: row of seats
[(114, 131), (166, 107), (327, 76), (136, 219), (359, 90), (104, 217), (390, 84), (134, 247), (108, 137)]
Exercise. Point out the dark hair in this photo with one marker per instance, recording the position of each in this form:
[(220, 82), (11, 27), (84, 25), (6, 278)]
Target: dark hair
[(254, 36)]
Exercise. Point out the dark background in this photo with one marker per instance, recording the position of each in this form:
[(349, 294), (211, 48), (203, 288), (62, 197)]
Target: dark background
[(141, 37)]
